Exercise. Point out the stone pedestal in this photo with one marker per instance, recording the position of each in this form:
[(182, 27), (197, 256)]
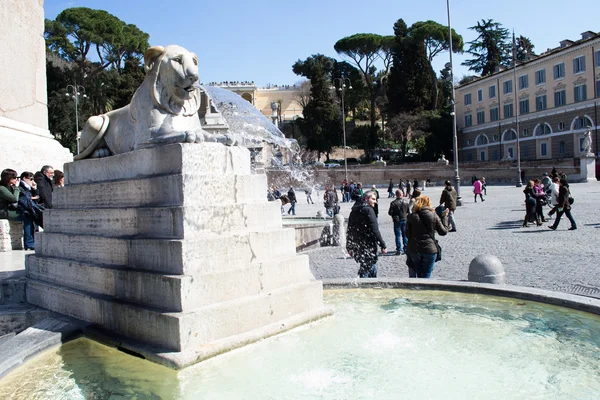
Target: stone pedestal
[(587, 166), (176, 250)]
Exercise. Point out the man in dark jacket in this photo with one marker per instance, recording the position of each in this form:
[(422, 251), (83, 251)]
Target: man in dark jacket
[(448, 199), (399, 211), (292, 196), (43, 180), (363, 236), (564, 205)]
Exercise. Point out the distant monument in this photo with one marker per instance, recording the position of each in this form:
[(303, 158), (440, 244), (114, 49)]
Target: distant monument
[(587, 161), (131, 247), (25, 140)]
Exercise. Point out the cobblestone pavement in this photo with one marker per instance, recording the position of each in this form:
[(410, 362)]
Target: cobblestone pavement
[(560, 260)]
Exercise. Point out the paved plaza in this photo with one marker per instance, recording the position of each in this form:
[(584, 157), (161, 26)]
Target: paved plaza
[(559, 260)]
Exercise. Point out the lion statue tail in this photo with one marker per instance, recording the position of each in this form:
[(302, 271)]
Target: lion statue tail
[(101, 131)]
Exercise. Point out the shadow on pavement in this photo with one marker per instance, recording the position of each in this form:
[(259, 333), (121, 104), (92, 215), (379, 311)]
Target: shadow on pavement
[(507, 225), (597, 226)]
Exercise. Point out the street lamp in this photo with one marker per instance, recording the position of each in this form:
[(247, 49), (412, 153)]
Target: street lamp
[(342, 89), (75, 91), (453, 113), (514, 49)]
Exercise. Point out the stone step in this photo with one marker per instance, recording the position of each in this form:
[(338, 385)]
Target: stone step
[(164, 222), (179, 331), (207, 254), (166, 190), (12, 290), (178, 158), (15, 318), (171, 292)]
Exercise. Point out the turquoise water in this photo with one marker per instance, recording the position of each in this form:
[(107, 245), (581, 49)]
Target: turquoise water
[(381, 344)]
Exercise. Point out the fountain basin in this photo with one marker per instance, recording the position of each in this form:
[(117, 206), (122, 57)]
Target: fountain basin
[(436, 340)]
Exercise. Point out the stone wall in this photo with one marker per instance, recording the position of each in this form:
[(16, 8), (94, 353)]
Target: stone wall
[(494, 173), (25, 140)]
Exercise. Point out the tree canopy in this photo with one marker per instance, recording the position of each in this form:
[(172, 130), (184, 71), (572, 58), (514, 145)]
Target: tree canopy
[(491, 48)]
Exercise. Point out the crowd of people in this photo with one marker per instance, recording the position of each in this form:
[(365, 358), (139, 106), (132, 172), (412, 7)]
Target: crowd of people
[(24, 197)]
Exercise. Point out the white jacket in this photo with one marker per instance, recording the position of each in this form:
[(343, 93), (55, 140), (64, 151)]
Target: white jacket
[(554, 196)]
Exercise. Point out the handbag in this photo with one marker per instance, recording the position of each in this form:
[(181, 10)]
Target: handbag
[(571, 199)]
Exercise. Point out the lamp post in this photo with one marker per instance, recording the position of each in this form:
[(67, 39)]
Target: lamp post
[(342, 90), (453, 113), (75, 91), (514, 49)]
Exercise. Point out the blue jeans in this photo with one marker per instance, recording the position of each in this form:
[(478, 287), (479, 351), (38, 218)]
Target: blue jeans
[(28, 229), (366, 271), (292, 208), (400, 233), (422, 264)]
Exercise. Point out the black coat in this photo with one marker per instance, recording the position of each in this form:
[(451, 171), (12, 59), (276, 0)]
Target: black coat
[(421, 228), (363, 234), (44, 188), (29, 207), (292, 195)]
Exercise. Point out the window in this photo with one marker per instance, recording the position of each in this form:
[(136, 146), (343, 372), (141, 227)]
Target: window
[(509, 135), (561, 126), (580, 123), (543, 129), (525, 151), (598, 88), (544, 149), (559, 71), (508, 110), (494, 114), (579, 64), (469, 156), (524, 106), (492, 91), (540, 77), (560, 98), (467, 99), (525, 132), (562, 148), (495, 138), (523, 82), (511, 152), (482, 156), (495, 155), (468, 120), (597, 58), (580, 93), (480, 117), (469, 142), (507, 87), (482, 140), (479, 95), (540, 103)]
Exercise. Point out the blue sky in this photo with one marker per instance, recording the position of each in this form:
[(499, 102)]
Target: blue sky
[(259, 41)]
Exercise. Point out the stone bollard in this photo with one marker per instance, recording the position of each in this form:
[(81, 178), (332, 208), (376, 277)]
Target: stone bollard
[(339, 231), (486, 269)]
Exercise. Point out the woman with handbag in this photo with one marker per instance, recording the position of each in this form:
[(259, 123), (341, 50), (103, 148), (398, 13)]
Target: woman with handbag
[(423, 249), (9, 205)]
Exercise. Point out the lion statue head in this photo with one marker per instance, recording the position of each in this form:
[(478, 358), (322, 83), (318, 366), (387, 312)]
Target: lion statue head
[(174, 73)]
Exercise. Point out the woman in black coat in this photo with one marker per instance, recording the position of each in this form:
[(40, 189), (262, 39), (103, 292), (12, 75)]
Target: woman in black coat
[(363, 235), (421, 226)]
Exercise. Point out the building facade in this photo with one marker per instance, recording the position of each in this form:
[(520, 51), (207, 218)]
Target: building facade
[(261, 98), (554, 100)]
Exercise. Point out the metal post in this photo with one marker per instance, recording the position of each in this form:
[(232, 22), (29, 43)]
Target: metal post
[(75, 94), (342, 89), (453, 112), (515, 88)]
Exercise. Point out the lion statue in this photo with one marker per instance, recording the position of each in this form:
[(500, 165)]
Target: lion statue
[(163, 109)]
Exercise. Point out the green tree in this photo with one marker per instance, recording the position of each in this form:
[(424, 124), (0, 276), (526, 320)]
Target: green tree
[(435, 38), (110, 77), (491, 48), (409, 87), (364, 49), (321, 124)]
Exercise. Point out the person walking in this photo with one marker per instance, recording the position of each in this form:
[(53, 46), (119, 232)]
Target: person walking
[(292, 197), (363, 235), (308, 193), (421, 226), (449, 199), (399, 212), (330, 199), (390, 189), (530, 205), (564, 205), (477, 187)]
